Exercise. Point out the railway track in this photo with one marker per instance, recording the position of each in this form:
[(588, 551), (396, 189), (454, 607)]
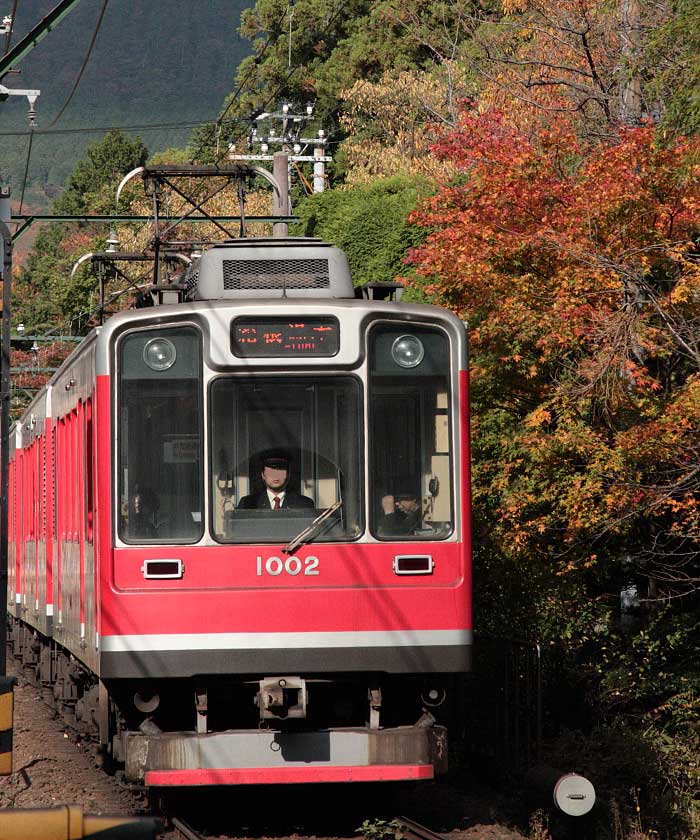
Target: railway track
[(184, 831), (410, 830)]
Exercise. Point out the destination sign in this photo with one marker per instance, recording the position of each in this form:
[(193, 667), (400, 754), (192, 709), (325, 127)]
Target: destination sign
[(275, 337)]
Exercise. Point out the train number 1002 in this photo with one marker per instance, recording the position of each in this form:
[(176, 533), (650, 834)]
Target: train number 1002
[(290, 565)]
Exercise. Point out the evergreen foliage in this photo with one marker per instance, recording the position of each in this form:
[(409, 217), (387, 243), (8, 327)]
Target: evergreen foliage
[(106, 161), (160, 62), (332, 46), (370, 223), (44, 296), (671, 60)]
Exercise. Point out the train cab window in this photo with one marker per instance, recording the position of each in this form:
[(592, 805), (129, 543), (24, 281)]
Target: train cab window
[(160, 436), (298, 436), (411, 494)]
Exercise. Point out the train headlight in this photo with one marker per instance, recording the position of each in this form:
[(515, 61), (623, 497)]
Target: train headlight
[(159, 354), (407, 351)]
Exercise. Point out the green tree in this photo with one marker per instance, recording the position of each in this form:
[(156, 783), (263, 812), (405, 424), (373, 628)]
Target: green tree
[(369, 223), (332, 45), (671, 63), (44, 296), (92, 184)]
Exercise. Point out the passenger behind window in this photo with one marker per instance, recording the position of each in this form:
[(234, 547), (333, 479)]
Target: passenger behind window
[(143, 508), (401, 510)]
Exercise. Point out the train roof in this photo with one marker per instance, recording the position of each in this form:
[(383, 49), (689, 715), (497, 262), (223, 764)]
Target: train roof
[(291, 267)]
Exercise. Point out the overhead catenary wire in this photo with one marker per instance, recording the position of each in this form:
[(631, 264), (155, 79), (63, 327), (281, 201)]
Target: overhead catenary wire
[(127, 127), (65, 104), (83, 66), (236, 93), (290, 71), (26, 171)]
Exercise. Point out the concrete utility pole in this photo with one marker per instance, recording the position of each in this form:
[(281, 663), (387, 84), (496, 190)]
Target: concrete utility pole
[(284, 129), (280, 200)]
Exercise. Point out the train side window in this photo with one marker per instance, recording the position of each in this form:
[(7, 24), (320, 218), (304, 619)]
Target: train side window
[(160, 436), (410, 436)]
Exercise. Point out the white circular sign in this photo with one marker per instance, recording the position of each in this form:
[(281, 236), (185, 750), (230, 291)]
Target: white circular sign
[(574, 795)]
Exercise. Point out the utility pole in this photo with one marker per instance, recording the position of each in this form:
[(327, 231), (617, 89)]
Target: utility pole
[(284, 129), (6, 64), (280, 200), (5, 348)]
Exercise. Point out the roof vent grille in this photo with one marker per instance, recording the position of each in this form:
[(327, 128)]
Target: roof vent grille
[(276, 274)]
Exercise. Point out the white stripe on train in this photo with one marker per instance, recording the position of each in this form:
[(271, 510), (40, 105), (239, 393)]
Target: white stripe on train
[(269, 641)]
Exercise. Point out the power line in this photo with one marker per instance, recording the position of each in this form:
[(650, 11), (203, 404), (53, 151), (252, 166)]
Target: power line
[(84, 65), (290, 70), (130, 127), (255, 61)]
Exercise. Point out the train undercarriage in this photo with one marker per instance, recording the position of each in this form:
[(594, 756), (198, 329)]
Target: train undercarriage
[(245, 729)]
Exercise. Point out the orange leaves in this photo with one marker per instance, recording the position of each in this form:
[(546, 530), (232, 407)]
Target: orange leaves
[(539, 417), (577, 267), (556, 241)]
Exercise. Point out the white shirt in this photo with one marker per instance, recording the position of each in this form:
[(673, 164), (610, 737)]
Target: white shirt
[(272, 496)]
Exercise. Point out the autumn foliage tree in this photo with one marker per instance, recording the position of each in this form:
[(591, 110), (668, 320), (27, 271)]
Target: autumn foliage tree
[(576, 266)]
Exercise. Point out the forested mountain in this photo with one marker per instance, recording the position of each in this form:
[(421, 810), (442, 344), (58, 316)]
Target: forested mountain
[(153, 62)]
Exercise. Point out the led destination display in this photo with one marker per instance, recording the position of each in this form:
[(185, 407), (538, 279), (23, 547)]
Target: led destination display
[(285, 337)]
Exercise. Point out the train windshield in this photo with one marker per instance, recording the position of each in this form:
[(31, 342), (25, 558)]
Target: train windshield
[(411, 493), (283, 451), (160, 436)]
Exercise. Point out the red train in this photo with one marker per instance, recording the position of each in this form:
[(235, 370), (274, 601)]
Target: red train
[(202, 631)]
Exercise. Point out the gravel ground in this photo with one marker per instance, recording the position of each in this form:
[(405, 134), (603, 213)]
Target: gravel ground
[(52, 767)]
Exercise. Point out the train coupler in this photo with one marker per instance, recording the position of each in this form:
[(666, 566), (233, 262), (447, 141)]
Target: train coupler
[(282, 697)]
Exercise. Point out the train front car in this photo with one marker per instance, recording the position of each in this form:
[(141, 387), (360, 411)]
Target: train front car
[(310, 639)]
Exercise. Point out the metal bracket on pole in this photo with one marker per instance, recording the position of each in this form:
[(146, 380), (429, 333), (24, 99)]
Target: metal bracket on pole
[(32, 96)]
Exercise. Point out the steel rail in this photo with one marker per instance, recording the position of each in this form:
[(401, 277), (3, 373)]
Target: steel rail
[(415, 831), (185, 830)]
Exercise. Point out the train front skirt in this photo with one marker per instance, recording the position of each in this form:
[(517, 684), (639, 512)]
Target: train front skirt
[(267, 756)]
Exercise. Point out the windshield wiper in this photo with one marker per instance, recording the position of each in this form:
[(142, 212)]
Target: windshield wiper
[(310, 532)]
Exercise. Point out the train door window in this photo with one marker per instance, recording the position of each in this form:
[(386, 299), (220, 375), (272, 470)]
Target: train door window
[(411, 494), (89, 471), (57, 471), (160, 436), (42, 488), (307, 430), (54, 478), (75, 462)]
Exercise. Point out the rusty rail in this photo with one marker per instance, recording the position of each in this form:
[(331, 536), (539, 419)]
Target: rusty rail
[(415, 831)]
